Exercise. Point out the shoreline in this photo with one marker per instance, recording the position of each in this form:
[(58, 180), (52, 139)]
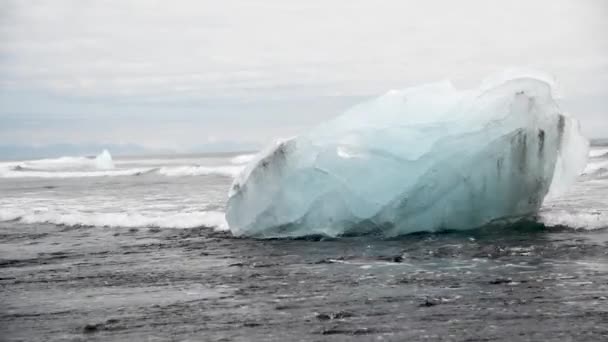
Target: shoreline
[(87, 283)]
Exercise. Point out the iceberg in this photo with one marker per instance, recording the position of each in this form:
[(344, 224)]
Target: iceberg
[(425, 158), (103, 161)]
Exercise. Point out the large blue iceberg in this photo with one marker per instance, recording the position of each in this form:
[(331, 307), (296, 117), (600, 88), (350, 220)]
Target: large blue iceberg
[(425, 158)]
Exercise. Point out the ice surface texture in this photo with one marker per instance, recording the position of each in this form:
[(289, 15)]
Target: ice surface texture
[(425, 158)]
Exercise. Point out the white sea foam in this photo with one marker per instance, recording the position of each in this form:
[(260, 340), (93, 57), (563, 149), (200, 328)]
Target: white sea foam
[(243, 158), (104, 166), (103, 161), (598, 152), (11, 173), (177, 171), (61, 163), (167, 161), (594, 167), (180, 171), (211, 219), (170, 171), (580, 219), (10, 214)]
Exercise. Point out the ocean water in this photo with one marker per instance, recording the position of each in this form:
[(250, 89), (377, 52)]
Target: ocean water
[(137, 249), (191, 190), (165, 192)]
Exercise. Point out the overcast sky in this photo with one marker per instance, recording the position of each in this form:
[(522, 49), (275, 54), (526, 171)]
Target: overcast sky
[(177, 74)]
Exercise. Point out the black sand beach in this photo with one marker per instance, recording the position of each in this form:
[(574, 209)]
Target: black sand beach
[(525, 283)]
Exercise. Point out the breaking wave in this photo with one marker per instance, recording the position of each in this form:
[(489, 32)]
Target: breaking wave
[(103, 161), (20, 173), (243, 159), (598, 153), (577, 220), (180, 171), (209, 219), (103, 166), (596, 168)]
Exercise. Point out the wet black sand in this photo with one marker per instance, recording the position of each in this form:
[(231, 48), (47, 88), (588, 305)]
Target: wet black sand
[(116, 284)]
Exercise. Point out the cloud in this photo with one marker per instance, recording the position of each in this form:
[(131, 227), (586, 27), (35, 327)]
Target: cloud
[(127, 48), (100, 58)]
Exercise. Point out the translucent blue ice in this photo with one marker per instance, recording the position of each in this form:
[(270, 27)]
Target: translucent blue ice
[(420, 159)]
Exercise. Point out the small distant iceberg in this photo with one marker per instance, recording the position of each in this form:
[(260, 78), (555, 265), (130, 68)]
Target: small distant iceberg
[(426, 158), (103, 161)]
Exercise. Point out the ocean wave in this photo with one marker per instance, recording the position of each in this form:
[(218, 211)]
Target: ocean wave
[(589, 220), (595, 168), (596, 153), (181, 171), (28, 173), (169, 171), (210, 219), (243, 158), (103, 161)]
